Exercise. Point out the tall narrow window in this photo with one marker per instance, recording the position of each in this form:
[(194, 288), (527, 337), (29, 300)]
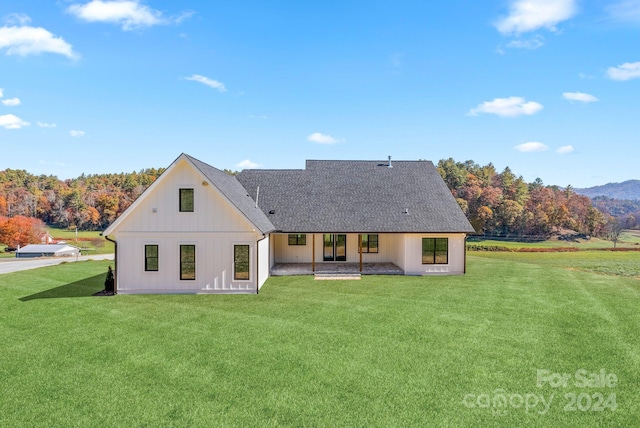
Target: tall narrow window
[(435, 251), (297, 239), (369, 243), (186, 200), (187, 262), (151, 258), (240, 262)]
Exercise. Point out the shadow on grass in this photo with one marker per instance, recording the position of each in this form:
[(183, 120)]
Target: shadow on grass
[(83, 288)]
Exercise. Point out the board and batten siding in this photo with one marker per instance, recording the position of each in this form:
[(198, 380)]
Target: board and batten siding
[(264, 264), (214, 227), (402, 249), (285, 253), (413, 255)]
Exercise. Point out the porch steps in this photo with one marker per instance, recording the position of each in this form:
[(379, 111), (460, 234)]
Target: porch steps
[(334, 276)]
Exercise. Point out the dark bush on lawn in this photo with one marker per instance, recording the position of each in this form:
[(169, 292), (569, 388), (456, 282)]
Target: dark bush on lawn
[(109, 282)]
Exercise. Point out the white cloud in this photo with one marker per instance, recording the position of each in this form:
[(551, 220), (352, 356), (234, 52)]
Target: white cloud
[(579, 96), (209, 82), (530, 15), (530, 44), (507, 107), (319, 138), (532, 146), (76, 133), (247, 164), (626, 71), (565, 150), (17, 19), (46, 125), (9, 121), (129, 14), (27, 40), (1, 92), (625, 11), (11, 102)]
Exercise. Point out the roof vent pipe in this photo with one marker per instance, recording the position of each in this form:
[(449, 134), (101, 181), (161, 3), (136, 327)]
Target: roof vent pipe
[(389, 164), (257, 195)]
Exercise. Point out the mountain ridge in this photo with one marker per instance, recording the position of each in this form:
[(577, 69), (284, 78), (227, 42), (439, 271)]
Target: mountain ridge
[(629, 190)]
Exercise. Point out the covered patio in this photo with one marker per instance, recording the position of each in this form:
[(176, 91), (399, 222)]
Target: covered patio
[(286, 269)]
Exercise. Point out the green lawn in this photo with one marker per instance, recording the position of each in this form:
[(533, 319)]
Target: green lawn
[(383, 351), (602, 262)]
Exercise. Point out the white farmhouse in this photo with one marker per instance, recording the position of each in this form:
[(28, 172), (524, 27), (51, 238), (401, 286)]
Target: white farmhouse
[(197, 229)]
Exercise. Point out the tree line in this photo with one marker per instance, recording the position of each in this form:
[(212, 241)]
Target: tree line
[(504, 204), (89, 202), (495, 202)]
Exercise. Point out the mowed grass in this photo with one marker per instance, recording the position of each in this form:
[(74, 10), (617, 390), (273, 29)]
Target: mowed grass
[(382, 351), (602, 262)]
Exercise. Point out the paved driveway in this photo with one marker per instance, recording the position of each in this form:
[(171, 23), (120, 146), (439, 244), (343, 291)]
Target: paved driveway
[(15, 265)]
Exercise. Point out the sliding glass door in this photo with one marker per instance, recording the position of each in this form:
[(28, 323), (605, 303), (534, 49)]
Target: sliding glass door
[(334, 247)]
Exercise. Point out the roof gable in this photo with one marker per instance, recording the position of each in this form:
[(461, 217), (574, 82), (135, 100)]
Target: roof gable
[(227, 186)]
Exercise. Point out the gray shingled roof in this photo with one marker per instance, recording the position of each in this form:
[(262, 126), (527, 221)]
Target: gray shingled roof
[(235, 193), (357, 196)]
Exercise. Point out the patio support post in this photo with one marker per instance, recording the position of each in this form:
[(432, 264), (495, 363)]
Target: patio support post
[(313, 252), (360, 251)]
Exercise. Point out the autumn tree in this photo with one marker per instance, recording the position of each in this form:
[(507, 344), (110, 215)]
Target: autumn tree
[(19, 230)]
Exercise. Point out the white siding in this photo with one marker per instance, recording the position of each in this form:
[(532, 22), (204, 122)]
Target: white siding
[(214, 263), (214, 228), (413, 255), (285, 253), (158, 211), (264, 262)]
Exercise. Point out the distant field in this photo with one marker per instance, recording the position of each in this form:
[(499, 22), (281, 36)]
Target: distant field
[(383, 351), (628, 239), (90, 241)]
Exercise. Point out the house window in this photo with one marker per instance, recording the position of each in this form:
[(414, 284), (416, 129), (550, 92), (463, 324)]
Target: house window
[(369, 243), (241, 262), (151, 258), (186, 200), (187, 262), (435, 251), (297, 239)]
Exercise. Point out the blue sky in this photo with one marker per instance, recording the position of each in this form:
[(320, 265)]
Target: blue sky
[(549, 88)]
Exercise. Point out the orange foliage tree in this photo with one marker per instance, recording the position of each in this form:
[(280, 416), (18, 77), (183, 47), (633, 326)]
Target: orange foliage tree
[(20, 230)]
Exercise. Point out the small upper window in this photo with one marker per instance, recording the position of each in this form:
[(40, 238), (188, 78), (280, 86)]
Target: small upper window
[(297, 239), (369, 243), (186, 200)]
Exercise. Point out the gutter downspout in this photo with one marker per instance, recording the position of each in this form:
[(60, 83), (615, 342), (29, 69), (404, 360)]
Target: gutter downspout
[(258, 262), (115, 264)]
